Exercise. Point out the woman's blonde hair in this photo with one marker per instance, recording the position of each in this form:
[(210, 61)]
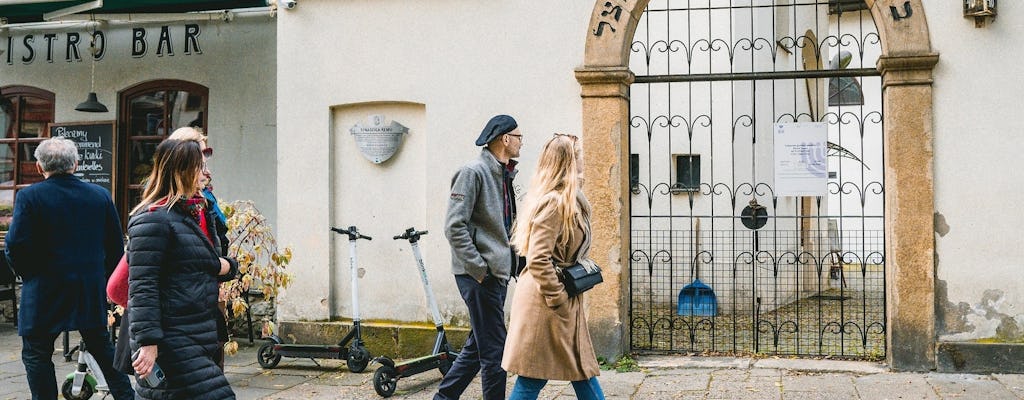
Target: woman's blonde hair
[(559, 173), (175, 175), (188, 133)]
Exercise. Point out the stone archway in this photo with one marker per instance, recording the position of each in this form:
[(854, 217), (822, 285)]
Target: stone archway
[(906, 66)]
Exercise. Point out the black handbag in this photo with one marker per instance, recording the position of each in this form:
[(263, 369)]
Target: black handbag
[(577, 279)]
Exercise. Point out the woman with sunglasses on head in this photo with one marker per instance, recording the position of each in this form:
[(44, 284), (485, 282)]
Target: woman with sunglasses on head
[(174, 267), (117, 286), (219, 221), (548, 338)]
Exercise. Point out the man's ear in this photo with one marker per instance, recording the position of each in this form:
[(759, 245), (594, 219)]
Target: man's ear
[(74, 167), (39, 168)]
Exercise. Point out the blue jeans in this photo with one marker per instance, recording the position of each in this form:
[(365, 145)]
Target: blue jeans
[(37, 353), (529, 389)]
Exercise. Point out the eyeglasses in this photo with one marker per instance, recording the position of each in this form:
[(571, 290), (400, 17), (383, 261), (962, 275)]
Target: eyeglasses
[(208, 152), (516, 135), (573, 137)]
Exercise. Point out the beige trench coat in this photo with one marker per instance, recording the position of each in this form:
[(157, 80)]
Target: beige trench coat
[(547, 334)]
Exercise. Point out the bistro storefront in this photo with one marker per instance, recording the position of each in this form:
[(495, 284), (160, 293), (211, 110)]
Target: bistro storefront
[(154, 66)]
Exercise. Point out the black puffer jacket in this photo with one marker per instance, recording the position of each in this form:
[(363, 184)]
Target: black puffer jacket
[(172, 301)]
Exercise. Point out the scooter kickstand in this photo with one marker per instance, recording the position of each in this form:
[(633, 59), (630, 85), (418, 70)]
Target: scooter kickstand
[(314, 362)]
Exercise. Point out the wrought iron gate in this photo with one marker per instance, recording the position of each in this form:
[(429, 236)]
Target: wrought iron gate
[(722, 260)]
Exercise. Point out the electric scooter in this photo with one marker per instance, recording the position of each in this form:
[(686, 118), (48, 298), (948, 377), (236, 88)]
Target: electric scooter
[(385, 379), (87, 378), (351, 348)]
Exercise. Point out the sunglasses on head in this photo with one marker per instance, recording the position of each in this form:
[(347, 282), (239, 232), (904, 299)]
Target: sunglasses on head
[(208, 152), (573, 137)]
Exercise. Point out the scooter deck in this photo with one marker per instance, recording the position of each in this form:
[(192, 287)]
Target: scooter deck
[(309, 351), (422, 364)]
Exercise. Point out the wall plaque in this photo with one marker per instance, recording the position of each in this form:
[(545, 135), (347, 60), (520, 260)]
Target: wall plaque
[(376, 140)]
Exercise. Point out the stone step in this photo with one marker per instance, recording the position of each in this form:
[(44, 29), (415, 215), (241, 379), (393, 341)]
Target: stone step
[(392, 339)]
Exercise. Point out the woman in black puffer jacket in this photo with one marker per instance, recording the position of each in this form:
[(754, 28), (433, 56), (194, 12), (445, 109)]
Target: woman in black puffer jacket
[(173, 280)]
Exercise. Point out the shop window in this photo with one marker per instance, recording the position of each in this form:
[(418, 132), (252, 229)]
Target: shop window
[(24, 114), (148, 113)]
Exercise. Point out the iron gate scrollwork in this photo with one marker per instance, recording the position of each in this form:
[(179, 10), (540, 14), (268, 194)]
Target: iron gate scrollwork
[(721, 262)]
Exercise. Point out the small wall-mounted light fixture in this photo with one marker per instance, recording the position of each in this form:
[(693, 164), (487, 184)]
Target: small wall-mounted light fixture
[(980, 10)]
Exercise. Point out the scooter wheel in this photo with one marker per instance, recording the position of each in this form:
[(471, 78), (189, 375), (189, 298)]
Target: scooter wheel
[(266, 356), (385, 380), (86, 392), (358, 359)]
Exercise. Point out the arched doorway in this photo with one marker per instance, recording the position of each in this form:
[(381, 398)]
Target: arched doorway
[(905, 68)]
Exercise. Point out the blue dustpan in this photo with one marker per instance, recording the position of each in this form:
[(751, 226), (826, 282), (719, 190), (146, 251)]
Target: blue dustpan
[(697, 299)]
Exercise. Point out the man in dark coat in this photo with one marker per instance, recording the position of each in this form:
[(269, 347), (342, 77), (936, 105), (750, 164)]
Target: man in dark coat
[(64, 238)]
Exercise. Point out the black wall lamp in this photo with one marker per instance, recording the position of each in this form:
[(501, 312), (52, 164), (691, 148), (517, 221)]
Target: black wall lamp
[(980, 10)]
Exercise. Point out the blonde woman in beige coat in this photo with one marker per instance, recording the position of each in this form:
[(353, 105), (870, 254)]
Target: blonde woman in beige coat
[(547, 335)]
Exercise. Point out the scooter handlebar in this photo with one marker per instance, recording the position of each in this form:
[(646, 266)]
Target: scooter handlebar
[(410, 233), (352, 233)]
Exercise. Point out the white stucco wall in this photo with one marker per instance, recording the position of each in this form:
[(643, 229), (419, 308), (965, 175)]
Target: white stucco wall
[(977, 133), (464, 62), (237, 64)]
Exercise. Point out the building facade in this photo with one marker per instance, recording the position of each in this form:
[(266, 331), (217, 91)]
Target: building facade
[(295, 102)]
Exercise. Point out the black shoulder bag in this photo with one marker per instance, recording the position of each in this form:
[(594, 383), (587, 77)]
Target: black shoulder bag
[(576, 278)]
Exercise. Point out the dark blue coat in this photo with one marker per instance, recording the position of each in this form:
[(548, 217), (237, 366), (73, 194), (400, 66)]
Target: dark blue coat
[(64, 239)]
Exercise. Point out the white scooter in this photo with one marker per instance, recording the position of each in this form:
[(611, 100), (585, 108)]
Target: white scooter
[(87, 379)]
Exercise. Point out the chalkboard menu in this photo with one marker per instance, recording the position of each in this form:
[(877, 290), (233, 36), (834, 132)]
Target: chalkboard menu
[(95, 149)]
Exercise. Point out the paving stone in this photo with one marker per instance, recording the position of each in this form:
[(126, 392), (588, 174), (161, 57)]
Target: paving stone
[(671, 384), (758, 372), (237, 380), (318, 392), (12, 386), (822, 383), (620, 383), (679, 371), (744, 395), (819, 395), (248, 393), (965, 386), (729, 375), (273, 381), (859, 367), (1013, 383), (346, 379), (692, 362), (894, 386)]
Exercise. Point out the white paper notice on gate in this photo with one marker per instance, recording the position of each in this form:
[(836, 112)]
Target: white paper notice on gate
[(801, 168)]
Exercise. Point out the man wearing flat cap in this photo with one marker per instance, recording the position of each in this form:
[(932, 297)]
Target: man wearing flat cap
[(481, 210)]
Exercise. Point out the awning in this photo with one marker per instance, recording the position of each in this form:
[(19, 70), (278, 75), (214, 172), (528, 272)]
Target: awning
[(33, 12)]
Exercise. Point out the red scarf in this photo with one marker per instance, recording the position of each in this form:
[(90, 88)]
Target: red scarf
[(196, 207)]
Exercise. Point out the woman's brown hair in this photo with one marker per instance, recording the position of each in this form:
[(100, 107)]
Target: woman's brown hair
[(175, 175)]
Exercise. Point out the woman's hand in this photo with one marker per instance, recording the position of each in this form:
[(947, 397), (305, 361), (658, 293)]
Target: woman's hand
[(143, 363), (225, 266)]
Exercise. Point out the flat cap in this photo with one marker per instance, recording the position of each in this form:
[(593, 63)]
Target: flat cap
[(497, 126)]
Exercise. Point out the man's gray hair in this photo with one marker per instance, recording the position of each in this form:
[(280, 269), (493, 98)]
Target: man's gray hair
[(57, 154)]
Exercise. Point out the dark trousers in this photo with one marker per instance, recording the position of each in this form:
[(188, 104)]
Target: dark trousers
[(485, 344), (37, 355)]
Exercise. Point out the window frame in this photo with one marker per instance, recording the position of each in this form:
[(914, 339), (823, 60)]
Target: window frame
[(125, 138), (16, 94)]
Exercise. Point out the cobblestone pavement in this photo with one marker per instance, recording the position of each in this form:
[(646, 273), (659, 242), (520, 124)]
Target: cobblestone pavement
[(662, 377)]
